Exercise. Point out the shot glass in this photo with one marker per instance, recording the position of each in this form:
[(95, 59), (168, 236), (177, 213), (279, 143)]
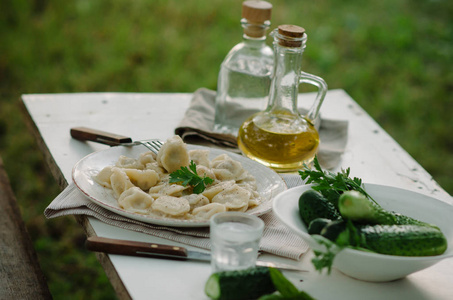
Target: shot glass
[(235, 239)]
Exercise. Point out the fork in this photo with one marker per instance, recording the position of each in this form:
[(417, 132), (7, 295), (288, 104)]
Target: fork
[(111, 139)]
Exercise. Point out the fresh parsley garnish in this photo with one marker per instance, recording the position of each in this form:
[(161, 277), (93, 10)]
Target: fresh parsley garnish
[(188, 176), (331, 185)]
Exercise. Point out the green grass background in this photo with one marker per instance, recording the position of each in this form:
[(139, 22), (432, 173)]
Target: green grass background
[(393, 57)]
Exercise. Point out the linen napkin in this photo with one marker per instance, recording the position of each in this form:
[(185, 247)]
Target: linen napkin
[(197, 128), (277, 239)]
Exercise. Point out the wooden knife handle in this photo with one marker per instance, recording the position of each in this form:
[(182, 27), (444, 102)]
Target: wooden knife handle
[(89, 134), (132, 248)]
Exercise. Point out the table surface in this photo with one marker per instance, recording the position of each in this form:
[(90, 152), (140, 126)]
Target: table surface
[(371, 154)]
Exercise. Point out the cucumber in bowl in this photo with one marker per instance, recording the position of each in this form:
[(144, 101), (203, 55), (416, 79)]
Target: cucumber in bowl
[(367, 265), (351, 254)]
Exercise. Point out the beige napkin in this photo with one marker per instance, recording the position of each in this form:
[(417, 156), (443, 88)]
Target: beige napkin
[(277, 239), (198, 123)]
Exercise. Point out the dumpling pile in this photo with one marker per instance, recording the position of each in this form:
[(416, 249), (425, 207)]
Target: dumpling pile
[(141, 185)]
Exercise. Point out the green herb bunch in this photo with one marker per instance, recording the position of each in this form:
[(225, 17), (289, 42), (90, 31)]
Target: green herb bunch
[(331, 185), (188, 176)]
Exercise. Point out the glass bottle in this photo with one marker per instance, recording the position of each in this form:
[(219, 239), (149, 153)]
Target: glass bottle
[(245, 74), (279, 137)]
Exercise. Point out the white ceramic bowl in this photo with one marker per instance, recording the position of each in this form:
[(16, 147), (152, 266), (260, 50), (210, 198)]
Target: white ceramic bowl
[(372, 266)]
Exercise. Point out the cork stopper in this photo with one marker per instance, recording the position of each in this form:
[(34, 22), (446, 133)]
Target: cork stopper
[(290, 35), (256, 16), (256, 11)]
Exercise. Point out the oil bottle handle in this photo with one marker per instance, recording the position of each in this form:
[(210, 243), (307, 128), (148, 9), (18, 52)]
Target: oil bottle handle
[(322, 90)]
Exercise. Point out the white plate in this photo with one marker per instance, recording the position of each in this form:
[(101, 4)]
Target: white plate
[(269, 183), (372, 266)]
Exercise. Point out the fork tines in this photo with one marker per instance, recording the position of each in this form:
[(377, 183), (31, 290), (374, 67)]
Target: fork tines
[(153, 145)]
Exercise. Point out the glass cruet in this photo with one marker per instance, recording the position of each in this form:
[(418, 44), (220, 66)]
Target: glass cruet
[(279, 137), (245, 73)]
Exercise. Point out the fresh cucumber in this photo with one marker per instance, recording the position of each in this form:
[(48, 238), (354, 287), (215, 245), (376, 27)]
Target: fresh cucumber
[(317, 225), (403, 240), (406, 220), (313, 205), (358, 208), (333, 230), (242, 284)]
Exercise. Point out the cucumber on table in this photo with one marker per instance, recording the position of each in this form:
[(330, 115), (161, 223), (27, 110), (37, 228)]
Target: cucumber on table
[(242, 284)]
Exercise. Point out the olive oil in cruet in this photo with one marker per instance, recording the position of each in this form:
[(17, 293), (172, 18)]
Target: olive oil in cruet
[(279, 137)]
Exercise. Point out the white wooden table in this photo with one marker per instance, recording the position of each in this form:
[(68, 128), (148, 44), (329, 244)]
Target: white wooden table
[(371, 154)]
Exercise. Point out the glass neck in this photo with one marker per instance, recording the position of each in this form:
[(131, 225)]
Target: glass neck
[(254, 33), (285, 82)]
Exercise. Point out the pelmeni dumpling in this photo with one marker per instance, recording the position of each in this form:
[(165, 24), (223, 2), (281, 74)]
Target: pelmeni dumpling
[(171, 206), (135, 200), (144, 179), (128, 163), (165, 188), (196, 200), (205, 171), (200, 157), (213, 190), (147, 157), (225, 168), (156, 167), (119, 182), (173, 154), (234, 198), (103, 177), (205, 212)]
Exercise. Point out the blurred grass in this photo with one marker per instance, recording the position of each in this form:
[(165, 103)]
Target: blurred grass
[(393, 57)]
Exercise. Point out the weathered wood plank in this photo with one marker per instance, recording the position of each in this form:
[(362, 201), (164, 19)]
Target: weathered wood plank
[(104, 259), (20, 274)]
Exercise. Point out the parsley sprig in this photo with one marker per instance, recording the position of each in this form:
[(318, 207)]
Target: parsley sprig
[(188, 176), (331, 185)]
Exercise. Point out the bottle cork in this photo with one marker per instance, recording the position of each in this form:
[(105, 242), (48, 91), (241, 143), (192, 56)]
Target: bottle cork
[(256, 13), (291, 35)]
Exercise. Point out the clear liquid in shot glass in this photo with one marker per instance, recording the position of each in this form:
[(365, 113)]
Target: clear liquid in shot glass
[(234, 246)]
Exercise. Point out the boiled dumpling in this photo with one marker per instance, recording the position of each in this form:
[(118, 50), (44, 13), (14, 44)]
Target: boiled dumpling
[(213, 190), (167, 189), (234, 198), (173, 154), (248, 180), (225, 168), (135, 200), (196, 200), (200, 157), (119, 181), (155, 167), (103, 177), (172, 206), (147, 157), (207, 211), (254, 202), (205, 171), (128, 163), (144, 179)]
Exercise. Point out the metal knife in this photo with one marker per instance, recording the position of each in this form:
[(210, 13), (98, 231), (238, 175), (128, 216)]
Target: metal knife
[(143, 249)]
